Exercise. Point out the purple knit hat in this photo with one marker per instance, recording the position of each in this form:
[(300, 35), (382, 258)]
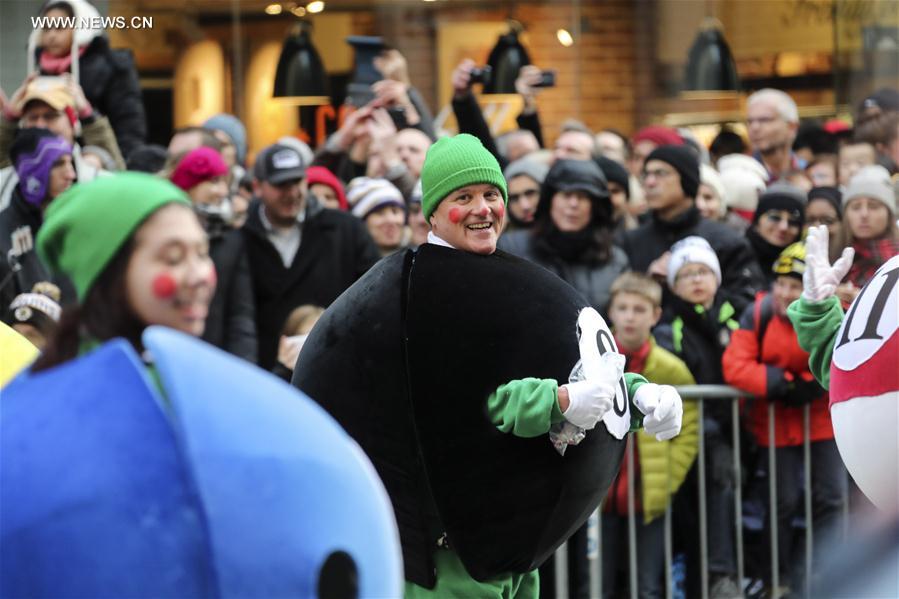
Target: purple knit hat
[(33, 153)]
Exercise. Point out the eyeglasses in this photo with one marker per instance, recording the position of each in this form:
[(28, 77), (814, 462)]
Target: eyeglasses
[(658, 173), (821, 220), (698, 274), (762, 120), (776, 217), (527, 193)]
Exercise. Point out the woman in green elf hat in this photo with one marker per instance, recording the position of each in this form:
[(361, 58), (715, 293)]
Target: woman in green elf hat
[(477, 387), (137, 256)]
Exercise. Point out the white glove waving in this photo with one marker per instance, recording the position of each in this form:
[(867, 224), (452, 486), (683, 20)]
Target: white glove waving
[(591, 398), (820, 279), (663, 410)]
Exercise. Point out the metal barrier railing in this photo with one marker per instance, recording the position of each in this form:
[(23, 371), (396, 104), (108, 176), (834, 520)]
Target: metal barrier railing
[(701, 394)]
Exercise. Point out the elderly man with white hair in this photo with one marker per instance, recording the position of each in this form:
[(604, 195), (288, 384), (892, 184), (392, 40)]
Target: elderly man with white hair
[(772, 120)]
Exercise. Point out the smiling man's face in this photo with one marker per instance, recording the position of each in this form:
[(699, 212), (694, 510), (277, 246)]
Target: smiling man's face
[(471, 218)]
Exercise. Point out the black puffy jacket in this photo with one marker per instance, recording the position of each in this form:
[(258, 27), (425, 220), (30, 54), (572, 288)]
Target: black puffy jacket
[(740, 273), (109, 80)]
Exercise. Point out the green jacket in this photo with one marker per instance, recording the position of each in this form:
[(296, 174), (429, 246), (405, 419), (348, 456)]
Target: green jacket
[(817, 325), (525, 408), (664, 464)]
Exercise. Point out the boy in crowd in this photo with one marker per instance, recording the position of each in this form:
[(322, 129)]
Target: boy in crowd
[(659, 467), (764, 358), (854, 156), (700, 322)]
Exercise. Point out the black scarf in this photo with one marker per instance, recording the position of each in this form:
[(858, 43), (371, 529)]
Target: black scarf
[(766, 253)]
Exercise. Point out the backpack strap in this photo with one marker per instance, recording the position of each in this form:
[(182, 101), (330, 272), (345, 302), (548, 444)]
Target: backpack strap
[(764, 312)]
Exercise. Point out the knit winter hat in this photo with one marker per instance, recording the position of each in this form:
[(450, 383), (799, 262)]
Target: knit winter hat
[(781, 196), (791, 261), (685, 162), (832, 195), (86, 226), (615, 172), (659, 135), (873, 182), (39, 308), (234, 129), (528, 167), (745, 180), (692, 250), (454, 162), (322, 176), (367, 194), (33, 153), (199, 165), (709, 176)]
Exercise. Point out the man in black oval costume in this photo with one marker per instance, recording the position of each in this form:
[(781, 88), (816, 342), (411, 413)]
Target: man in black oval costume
[(474, 381)]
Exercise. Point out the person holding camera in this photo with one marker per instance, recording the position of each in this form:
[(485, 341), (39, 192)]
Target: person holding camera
[(231, 323), (526, 138), (367, 144), (396, 93)]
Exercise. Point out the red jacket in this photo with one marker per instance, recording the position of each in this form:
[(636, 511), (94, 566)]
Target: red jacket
[(749, 369)]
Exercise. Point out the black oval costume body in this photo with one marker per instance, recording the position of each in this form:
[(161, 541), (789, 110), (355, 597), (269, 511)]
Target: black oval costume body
[(405, 360)]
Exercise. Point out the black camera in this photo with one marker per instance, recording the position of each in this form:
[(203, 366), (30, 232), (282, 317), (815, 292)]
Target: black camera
[(480, 74), (547, 79)]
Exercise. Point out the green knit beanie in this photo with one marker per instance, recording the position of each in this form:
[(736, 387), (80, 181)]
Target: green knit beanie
[(85, 226), (455, 162)]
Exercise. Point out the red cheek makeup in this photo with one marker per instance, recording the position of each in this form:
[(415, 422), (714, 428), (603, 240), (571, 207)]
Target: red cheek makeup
[(457, 215), (164, 286)]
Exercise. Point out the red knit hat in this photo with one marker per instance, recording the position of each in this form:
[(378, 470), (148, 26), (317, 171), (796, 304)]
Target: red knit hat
[(321, 175), (659, 135), (197, 166)]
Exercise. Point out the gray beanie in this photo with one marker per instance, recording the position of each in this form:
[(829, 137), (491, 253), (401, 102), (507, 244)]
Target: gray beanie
[(528, 167), (873, 182)]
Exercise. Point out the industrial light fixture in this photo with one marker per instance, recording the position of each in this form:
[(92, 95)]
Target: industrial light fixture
[(710, 64), (300, 78), (505, 60), (315, 6), (273, 9), (298, 11)]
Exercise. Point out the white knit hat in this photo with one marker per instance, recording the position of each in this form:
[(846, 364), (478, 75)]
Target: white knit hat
[(744, 178), (873, 182), (692, 250), (709, 176), (367, 194)]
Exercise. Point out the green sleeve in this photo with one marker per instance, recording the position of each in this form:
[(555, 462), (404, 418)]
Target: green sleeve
[(529, 407), (816, 325), (526, 407), (633, 382)]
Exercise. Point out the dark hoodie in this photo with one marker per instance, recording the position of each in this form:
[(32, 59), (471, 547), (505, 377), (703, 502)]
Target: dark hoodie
[(585, 259)]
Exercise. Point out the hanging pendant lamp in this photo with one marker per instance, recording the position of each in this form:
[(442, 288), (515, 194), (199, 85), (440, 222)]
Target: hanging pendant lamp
[(710, 64), (300, 77)]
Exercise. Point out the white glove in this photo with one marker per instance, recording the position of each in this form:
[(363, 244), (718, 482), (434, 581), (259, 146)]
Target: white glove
[(663, 410), (820, 280), (590, 399)]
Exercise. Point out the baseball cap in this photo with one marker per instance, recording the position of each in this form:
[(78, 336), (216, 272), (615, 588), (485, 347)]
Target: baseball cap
[(51, 90), (278, 164), (886, 99)]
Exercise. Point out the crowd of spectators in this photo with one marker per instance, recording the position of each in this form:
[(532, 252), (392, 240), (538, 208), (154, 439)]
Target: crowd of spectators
[(691, 252)]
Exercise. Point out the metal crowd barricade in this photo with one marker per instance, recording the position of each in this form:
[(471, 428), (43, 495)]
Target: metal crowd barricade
[(701, 394)]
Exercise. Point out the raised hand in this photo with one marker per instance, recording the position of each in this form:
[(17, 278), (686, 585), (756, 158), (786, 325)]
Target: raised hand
[(820, 279)]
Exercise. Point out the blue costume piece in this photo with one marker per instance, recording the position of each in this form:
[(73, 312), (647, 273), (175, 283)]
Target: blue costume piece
[(242, 487)]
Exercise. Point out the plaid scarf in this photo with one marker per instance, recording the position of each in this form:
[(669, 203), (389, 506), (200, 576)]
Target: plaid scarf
[(869, 256)]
